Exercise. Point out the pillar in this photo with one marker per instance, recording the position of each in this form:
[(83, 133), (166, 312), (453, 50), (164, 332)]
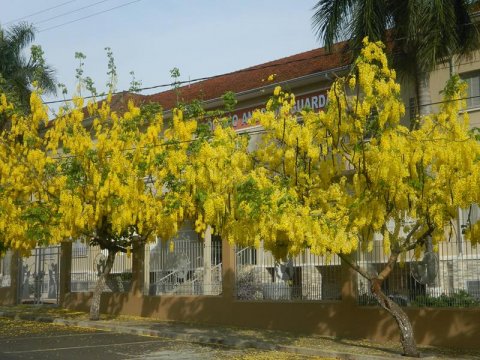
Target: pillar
[(14, 278), (228, 270), (138, 269), (207, 262), (349, 282), (65, 271)]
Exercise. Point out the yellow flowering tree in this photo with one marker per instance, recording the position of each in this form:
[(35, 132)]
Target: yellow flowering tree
[(330, 181), (93, 174), (324, 181)]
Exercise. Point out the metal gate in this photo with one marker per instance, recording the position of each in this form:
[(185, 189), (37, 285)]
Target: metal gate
[(39, 275)]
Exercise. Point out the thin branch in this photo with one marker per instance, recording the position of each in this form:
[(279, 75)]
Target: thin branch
[(355, 266)]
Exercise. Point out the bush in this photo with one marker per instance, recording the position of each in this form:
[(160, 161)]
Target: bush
[(459, 299), (246, 287), (367, 299)]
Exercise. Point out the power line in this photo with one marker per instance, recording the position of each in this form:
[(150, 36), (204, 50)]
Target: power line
[(276, 63), (211, 77), (70, 12), (89, 16), (39, 12), (255, 68)]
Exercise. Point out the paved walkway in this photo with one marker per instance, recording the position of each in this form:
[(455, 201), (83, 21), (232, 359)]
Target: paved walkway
[(240, 338)]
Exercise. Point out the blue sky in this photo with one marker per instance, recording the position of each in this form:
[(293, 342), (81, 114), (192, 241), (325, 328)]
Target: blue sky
[(150, 37)]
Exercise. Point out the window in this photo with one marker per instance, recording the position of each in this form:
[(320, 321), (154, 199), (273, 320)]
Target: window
[(473, 288), (79, 249), (473, 92)]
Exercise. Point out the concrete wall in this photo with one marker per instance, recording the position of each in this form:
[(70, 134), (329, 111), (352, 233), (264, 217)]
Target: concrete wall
[(446, 327)]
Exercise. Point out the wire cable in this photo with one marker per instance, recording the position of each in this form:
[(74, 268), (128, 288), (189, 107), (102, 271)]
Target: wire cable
[(275, 64), (88, 16), (39, 12), (70, 12), (206, 78)]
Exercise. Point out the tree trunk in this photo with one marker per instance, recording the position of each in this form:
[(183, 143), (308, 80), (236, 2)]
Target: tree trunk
[(407, 337), (97, 293), (423, 92), (406, 331)]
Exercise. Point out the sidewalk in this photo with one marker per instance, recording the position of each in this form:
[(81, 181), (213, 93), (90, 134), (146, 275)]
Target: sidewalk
[(307, 345)]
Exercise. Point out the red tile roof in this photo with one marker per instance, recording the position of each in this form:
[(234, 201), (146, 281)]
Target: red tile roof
[(287, 68)]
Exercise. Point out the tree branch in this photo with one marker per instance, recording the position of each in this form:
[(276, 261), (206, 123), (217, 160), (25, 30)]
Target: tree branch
[(355, 266)]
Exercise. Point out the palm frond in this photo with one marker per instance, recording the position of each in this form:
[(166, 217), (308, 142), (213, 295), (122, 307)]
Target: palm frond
[(329, 18)]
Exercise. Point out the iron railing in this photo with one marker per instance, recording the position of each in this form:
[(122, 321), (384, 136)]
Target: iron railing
[(185, 269), (88, 263), (38, 275), (448, 277), (303, 277)]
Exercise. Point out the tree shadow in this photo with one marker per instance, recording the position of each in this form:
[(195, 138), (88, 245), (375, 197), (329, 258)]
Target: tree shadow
[(222, 317)]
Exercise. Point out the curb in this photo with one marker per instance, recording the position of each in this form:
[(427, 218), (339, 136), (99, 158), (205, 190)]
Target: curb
[(201, 339), (222, 341)]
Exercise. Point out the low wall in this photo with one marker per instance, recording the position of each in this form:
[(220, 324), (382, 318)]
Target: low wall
[(7, 296), (445, 327), (452, 327), (441, 327)]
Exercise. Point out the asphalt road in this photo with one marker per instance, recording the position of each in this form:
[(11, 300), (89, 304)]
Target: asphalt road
[(41, 341)]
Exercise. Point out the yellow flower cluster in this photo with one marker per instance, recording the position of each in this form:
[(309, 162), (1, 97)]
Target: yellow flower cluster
[(328, 181)]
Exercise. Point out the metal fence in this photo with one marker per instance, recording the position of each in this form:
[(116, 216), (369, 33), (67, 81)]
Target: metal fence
[(5, 266), (303, 277), (38, 275), (88, 263), (189, 267), (449, 277)]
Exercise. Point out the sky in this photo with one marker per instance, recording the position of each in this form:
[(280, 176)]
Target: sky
[(151, 37)]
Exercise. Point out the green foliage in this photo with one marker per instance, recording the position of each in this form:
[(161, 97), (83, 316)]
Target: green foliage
[(229, 101), (79, 70), (74, 171), (149, 111), (250, 194), (19, 72), (112, 70), (458, 299), (193, 109), (3, 248), (175, 73), (134, 83), (36, 216)]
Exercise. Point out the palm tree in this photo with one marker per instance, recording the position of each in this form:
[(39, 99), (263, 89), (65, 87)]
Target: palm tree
[(18, 72), (422, 33)]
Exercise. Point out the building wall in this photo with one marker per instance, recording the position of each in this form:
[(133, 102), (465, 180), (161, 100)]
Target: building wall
[(440, 76)]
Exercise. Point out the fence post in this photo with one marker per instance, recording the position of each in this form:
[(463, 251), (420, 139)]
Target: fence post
[(14, 278), (349, 282), (228, 270), (207, 262), (65, 271), (138, 268)]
